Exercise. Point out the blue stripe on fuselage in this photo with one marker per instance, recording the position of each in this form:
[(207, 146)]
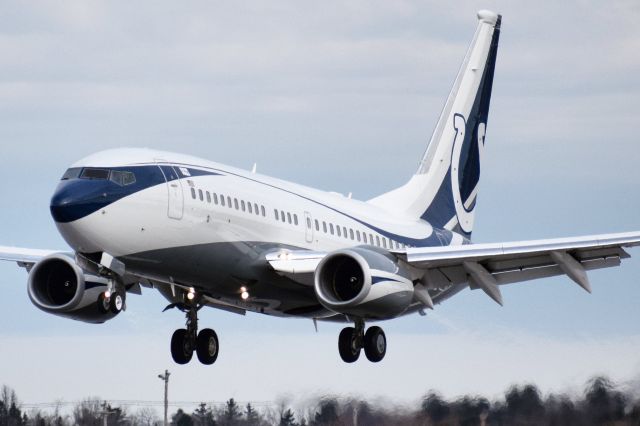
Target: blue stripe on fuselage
[(439, 237)]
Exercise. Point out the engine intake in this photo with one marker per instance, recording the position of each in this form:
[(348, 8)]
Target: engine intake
[(57, 285), (342, 278), (363, 281)]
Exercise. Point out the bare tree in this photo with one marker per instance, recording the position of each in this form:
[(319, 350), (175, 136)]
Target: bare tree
[(144, 417)]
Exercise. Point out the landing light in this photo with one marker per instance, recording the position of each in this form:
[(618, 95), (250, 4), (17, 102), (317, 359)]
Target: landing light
[(244, 295), (107, 294), (243, 289), (191, 294)]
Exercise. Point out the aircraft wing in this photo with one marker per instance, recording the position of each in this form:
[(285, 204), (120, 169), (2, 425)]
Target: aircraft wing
[(487, 266), (25, 257)]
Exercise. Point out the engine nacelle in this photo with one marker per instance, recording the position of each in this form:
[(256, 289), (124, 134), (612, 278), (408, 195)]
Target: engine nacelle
[(363, 282), (58, 286)]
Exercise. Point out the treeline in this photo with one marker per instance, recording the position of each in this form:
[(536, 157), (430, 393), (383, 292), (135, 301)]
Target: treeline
[(601, 403)]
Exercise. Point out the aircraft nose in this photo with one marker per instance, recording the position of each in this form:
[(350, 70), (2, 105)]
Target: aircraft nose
[(63, 204), (73, 200)]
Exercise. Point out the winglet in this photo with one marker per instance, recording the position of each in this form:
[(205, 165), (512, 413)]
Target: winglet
[(572, 268)]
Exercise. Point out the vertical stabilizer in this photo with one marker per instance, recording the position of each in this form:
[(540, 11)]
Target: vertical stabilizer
[(444, 189)]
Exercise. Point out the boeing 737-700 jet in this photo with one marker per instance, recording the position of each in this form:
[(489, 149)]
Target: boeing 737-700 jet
[(208, 235)]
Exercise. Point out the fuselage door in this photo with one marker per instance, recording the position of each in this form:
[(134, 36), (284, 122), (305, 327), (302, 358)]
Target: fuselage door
[(175, 208), (308, 226)]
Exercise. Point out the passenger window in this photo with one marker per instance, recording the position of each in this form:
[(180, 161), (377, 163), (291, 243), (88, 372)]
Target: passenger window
[(371, 239), (308, 223), (377, 241), (242, 204), (255, 206), (264, 213), (235, 203), (282, 216), (200, 194), (289, 218), (351, 233), (317, 225), (324, 226), (229, 202), (384, 242), (208, 197), (295, 219), (215, 198), (338, 231), (250, 207), (331, 228), (222, 200), (275, 212), (193, 193), (358, 235), (344, 232)]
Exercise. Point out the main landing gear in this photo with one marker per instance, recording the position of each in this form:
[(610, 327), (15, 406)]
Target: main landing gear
[(187, 340), (353, 339)]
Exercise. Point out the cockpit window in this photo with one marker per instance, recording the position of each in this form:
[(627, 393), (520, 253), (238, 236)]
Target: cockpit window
[(88, 173), (71, 173), (122, 177)]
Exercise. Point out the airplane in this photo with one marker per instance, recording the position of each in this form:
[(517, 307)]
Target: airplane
[(205, 234)]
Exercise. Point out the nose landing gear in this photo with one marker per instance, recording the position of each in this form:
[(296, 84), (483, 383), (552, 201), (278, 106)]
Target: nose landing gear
[(353, 339), (113, 299), (185, 341)]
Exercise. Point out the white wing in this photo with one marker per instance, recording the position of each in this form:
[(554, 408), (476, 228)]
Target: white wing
[(486, 266), (25, 257)]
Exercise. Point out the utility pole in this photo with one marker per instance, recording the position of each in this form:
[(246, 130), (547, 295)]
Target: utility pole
[(105, 413), (165, 378)]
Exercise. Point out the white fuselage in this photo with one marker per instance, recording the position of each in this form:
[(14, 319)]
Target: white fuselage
[(195, 229)]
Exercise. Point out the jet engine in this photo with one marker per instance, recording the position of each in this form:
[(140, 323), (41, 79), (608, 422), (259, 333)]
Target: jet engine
[(58, 286), (364, 282)]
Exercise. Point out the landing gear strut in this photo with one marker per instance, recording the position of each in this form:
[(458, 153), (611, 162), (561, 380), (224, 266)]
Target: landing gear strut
[(353, 339), (187, 340)]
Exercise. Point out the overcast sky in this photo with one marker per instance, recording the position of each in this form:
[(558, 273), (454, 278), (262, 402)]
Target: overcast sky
[(341, 96)]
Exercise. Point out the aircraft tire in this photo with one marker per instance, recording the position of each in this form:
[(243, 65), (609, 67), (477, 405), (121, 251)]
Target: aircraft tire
[(181, 350), (375, 344), (116, 303), (349, 351), (104, 304), (207, 346)]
